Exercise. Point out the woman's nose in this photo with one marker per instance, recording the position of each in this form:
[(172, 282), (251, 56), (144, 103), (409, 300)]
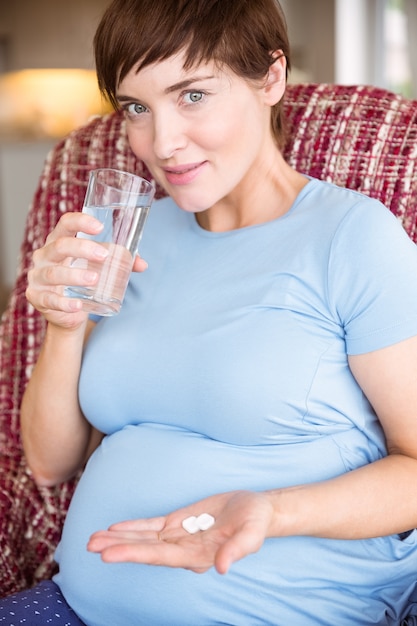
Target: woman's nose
[(169, 136)]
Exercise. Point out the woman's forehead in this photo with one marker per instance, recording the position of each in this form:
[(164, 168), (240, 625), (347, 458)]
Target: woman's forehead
[(171, 72)]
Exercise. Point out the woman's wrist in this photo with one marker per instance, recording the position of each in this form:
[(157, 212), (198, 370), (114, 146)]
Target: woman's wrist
[(287, 516), (56, 332)]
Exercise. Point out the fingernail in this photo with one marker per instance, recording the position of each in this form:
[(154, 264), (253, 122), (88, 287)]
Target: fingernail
[(75, 305), (96, 224), (90, 277), (101, 252)]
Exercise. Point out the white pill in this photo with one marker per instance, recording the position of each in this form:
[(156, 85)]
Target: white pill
[(205, 521), (191, 525)]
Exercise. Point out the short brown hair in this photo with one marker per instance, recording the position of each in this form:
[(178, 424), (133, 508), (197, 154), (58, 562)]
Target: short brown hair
[(241, 34)]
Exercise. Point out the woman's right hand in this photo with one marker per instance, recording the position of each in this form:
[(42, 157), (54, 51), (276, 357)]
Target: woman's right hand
[(51, 270)]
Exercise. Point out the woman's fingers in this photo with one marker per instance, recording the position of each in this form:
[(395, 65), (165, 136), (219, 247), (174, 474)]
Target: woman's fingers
[(139, 264), (153, 548), (65, 260), (246, 540), (63, 249), (72, 223), (152, 524)]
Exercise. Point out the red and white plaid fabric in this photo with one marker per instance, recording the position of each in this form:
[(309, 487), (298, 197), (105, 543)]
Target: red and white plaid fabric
[(359, 137)]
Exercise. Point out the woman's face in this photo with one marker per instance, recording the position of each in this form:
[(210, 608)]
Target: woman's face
[(204, 133)]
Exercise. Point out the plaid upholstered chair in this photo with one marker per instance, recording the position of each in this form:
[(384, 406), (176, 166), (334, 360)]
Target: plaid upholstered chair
[(359, 137)]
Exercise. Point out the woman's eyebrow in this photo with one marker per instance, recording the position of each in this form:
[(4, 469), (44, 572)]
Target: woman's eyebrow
[(122, 98), (182, 84)]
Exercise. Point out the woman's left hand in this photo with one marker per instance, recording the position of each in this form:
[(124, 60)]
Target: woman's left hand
[(242, 521)]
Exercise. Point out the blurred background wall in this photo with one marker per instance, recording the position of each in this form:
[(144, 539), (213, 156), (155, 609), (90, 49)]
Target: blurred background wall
[(49, 33), (344, 41), (37, 34)]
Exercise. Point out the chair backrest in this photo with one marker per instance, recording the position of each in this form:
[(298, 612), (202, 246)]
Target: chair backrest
[(359, 137)]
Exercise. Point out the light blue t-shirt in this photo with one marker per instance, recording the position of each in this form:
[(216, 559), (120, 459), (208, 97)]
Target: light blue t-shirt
[(227, 369)]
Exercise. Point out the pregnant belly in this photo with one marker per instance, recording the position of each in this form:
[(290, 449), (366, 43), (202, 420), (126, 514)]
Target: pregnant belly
[(149, 470)]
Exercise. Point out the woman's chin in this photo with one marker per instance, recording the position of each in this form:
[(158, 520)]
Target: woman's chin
[(189, 205)]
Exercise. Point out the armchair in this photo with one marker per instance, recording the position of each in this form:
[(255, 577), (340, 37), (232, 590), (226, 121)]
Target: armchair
[(360, 137)]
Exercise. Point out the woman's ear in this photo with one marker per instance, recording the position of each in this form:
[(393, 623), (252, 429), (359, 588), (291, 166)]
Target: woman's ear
[(276, 79)]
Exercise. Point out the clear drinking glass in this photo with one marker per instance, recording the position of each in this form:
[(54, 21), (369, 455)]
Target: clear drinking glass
[(121, 202)]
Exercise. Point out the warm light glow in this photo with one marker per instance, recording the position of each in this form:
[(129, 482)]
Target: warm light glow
[(48, 102)]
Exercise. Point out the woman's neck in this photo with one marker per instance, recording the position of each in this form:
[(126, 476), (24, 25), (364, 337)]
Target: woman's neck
[(257, 200)]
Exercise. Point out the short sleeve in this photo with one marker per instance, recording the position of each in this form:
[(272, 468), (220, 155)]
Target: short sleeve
[(372, 280)]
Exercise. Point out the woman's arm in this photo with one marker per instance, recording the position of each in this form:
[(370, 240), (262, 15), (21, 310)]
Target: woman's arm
[(377, 499), (57, 438)]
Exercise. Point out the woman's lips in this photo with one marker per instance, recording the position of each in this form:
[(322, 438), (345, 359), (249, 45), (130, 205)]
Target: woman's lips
[(183, 174)]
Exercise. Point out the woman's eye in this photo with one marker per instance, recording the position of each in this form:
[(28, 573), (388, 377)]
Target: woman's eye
[(135, 109), (194, 96)]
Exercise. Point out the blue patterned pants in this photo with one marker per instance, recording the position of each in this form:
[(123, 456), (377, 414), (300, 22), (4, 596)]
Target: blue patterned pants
[(40, 606)]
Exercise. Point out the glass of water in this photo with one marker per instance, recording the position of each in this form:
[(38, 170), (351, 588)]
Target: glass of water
[(121, 202)]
